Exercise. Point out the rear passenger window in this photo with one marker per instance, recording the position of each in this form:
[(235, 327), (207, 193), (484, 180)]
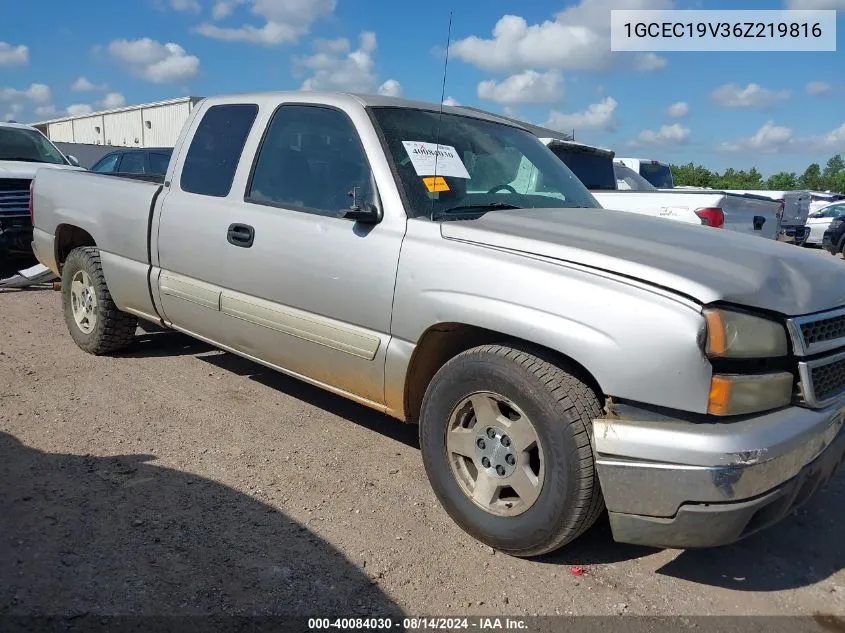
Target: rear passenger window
[(311, 159), (216, 148), (132, 163)]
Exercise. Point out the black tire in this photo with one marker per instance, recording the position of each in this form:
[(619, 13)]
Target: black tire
[(561, 408), (113, 330)]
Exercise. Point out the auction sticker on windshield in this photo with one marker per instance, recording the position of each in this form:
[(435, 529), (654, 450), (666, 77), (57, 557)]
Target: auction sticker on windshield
[(428, 157)]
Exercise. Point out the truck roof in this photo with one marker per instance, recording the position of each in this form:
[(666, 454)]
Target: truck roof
[(342, 99)]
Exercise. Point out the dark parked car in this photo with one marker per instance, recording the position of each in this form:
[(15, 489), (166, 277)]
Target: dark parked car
[(834, 236), (150, 161)]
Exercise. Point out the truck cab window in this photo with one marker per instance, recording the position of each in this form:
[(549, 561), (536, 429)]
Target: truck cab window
[(106, 164), (216, 148), (132, 163), (311, 159)]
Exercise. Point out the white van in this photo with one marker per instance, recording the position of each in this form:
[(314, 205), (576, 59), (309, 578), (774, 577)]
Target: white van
[(657, 173)]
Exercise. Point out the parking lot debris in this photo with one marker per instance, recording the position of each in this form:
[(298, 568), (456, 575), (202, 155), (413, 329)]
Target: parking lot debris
[(33, 276)]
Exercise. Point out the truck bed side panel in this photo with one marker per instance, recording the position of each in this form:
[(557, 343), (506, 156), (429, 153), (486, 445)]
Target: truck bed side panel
[(115, 212)]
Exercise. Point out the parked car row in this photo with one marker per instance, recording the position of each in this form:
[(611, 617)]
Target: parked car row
[(444, 267)]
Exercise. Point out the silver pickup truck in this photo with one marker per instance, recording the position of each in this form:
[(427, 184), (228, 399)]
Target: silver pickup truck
[(560, 359)]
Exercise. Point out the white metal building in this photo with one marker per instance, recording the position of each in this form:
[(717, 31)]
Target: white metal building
[(148, 125)]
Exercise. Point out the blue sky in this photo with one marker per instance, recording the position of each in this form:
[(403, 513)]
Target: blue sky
[(774, 111)]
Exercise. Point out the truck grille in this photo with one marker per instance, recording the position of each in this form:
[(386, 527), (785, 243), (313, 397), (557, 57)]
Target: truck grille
[(823, 380), (818, 332), (14, 197), (822, 377), (824, 330), (829, 380)]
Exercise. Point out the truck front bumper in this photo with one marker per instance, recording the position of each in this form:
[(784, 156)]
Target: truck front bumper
[(690, 483)]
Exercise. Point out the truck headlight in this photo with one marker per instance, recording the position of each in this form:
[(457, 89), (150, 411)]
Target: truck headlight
[(732, 394), (737, 335)]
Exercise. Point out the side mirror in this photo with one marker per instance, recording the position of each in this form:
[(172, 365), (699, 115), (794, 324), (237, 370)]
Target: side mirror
[(367, 213), (73, 160), (364, 212)]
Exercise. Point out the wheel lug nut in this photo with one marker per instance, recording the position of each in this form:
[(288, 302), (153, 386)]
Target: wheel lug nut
[(491, 433), (485, 462), (510, 459), (506, 441), (481, 443), (500, 470)]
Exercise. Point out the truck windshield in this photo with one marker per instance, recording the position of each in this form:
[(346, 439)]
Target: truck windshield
[(28, 145), (657, 174), (595, 170), (479, 165)]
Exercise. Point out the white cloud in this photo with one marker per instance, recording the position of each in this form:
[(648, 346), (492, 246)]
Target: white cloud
[(11, 56), (675, 134), (770, 138), (600, 115), (833, 141), (37, 93), (390, 88), (450, 101), (523, 88), (284, 21), (191, 6), (83, 85), (79, 109), (649, 62), (112, 100), (818, 88), (46, 110), (14, 112), (752, 96), (335, 67), (578, 38), (223, 9), (815, 4), (156, 62), (678, 110)]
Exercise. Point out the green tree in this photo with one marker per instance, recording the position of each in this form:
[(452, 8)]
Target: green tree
[(782, 181), (835, 166), (739, 179), (691, 175), (811, 178)]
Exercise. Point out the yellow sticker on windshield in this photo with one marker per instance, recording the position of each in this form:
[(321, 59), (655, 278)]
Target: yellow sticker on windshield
[(435, 184)]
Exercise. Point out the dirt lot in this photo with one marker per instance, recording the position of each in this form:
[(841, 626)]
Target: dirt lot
[(180, 479)]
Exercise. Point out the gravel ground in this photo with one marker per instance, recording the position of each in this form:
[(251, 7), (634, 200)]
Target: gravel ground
[(179, 479)]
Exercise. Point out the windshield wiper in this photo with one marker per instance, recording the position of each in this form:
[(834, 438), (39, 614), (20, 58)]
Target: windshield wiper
[(474, 207)]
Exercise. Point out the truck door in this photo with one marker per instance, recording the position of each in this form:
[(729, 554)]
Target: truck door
[(304, 288), (189, 243)]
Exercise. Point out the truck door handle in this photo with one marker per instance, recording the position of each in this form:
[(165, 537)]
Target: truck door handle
[(241, 235), (759, 221)]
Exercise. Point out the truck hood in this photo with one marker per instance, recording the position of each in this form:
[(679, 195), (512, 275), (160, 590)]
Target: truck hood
[(26, 170), (703, 263)]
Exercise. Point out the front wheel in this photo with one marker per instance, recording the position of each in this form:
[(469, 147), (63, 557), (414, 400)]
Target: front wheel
[(93, 320), (505, 439)]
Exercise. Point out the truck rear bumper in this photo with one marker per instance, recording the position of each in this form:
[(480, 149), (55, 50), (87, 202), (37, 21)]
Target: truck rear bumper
[(678, 483)]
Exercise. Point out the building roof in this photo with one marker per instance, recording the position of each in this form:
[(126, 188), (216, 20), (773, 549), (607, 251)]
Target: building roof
[(120, 109)]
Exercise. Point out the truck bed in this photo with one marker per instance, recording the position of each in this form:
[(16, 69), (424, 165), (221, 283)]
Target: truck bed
[(743, 213), (114, 209)]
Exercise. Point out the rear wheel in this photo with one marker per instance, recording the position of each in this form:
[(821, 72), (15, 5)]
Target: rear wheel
[(92, 318), (505, 438)]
